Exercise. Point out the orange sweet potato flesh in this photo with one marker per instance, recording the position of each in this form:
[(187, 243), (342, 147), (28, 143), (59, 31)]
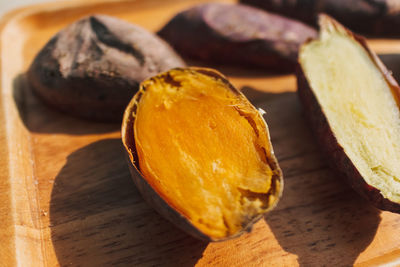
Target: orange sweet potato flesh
[(205, 150)]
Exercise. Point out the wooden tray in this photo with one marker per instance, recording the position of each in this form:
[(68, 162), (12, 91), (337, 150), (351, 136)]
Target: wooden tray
[(67, 197)]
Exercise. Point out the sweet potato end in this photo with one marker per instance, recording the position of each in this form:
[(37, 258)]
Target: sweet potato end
[(359, 102)]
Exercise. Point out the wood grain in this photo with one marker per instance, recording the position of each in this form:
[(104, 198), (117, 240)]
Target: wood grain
[(68, 199)]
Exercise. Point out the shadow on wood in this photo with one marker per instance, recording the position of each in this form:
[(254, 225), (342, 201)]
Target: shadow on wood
[(230, 70), (98, 217), (257, 97), (37, 117), (319, 218)]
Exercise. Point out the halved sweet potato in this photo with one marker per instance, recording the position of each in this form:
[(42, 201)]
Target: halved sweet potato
[(372, 17), (93, 67), (352, 102), (200, 153), (237, 34)]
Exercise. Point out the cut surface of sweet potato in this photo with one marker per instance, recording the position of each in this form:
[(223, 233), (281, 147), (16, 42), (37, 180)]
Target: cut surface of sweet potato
[(359, 103), (205, 149)]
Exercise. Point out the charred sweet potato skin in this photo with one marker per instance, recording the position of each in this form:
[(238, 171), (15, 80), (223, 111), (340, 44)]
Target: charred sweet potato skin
[(334, 152), (93, 67), (237, 34), (150, 195), (378, 18)]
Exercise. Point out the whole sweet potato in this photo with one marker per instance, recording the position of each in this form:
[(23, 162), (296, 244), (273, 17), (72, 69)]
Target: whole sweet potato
[(200, 153), (352, 103), (371, 17), (237, 34), (93, 67)]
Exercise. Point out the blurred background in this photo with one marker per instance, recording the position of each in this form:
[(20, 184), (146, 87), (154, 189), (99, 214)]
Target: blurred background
[(7, 5)]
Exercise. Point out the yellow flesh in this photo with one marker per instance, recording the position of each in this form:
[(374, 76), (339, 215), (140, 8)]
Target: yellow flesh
[(359, 106), (198, 152)]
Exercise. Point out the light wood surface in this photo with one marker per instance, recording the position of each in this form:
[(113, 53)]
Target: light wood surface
[(67, 197)]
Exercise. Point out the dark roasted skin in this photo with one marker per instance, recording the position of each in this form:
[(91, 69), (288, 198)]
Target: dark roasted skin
[(369, 17), (237, 34), (93, 67)]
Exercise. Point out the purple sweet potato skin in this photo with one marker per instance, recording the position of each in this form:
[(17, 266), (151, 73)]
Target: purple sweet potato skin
[(370, 17), (93, 67), (326, 139), (237, 34)]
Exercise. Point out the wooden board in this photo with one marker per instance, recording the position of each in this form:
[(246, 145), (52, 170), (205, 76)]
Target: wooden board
[(67, 197)]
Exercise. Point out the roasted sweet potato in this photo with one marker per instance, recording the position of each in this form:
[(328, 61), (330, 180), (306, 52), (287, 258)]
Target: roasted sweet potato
[(237, 34), (371, 17), (93, 67), (200, 153), (352, 103)]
